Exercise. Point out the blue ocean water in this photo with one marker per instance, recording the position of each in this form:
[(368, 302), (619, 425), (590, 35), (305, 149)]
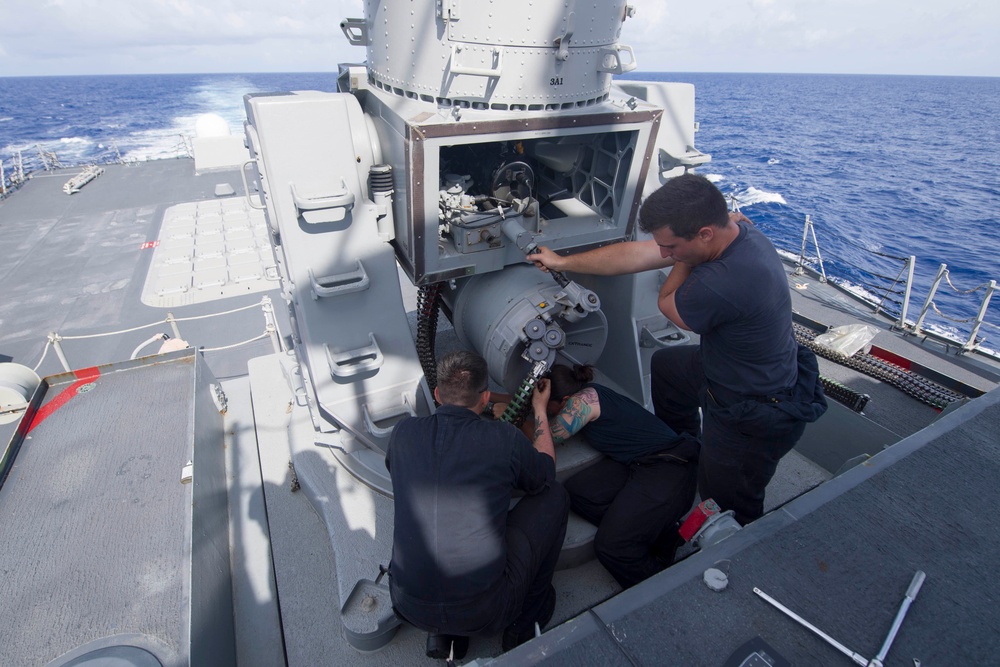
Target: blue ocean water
[(897, 165), (885, 166)]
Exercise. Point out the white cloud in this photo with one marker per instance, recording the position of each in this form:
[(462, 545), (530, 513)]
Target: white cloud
[(849, 36), (117, 36), (890, 36), (181, 6)]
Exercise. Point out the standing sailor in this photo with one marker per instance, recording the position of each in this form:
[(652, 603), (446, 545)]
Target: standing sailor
[(755, 386)]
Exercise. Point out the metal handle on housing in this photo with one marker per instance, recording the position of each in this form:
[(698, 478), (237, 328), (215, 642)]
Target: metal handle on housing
[(384, 432), (618, 66), (356, 31), (348, 282), (347, 364), (455, 68), (343, 199)]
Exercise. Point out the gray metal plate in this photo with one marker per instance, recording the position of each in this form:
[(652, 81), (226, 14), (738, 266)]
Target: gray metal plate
[(93, 514)]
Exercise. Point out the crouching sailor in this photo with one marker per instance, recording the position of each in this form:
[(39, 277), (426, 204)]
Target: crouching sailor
[(463, 563), (637, 495)]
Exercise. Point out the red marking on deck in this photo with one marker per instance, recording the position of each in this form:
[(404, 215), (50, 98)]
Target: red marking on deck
[(83, 376), (891, 357), (149, 244)]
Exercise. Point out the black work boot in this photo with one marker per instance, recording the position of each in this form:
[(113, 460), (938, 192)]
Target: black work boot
[(440, 646), (514, 635)]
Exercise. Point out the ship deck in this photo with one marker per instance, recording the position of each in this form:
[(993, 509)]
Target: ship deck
[(840, 552)]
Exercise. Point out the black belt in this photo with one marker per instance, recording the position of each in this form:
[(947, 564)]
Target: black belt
[(727, 398)]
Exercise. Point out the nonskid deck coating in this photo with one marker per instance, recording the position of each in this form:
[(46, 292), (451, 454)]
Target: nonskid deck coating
[(94, 516), (842, 557)]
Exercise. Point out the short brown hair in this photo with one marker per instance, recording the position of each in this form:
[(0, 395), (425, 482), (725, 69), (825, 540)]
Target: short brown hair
[(462, 376)]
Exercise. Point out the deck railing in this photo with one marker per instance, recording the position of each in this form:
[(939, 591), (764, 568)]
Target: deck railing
[(14, 180), (977, 322), (271, 331), (902, 323)]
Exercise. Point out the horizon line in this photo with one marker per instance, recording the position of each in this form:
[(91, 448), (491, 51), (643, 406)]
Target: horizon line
[(628, 75)]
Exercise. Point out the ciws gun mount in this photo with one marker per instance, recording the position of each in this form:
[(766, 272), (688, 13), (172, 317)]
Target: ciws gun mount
[(470, 137)]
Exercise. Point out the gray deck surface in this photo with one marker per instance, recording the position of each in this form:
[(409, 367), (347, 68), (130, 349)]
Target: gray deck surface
[(842, 557), (74, 265), (94, 518)]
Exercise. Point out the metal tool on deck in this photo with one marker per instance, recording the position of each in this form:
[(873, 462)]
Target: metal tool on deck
[(911, 594)]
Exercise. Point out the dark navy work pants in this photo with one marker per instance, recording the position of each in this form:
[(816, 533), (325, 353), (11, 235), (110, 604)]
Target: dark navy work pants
[(741, 440), (536, 529), (635, 508)]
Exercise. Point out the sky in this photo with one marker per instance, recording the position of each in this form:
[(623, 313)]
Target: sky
[(61, 37)]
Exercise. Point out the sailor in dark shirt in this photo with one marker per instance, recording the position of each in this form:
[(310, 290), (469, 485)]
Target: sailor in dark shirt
[(756, 388), (748, 389), (637, 495), (462, 564)]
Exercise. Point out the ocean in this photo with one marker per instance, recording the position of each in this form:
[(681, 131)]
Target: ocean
[(884, 166)]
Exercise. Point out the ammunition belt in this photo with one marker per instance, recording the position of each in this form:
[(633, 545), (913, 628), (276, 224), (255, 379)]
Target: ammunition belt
[(923, 389)]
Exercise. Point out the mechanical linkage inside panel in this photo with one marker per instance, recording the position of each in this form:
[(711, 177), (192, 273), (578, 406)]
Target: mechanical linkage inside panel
[(575, 179)]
